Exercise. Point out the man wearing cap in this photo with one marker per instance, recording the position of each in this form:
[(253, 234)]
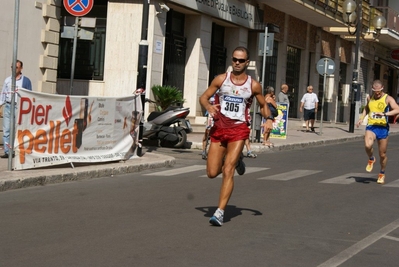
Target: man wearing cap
[(378, 108)]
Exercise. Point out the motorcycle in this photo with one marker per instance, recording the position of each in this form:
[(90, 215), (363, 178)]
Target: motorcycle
[(169, 126)]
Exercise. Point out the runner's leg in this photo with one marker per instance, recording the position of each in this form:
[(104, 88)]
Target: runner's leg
[(382, 149), (214, 162), (369, 138), (233, 153)]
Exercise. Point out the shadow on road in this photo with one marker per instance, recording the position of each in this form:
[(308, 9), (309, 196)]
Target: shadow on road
[(229, 213)]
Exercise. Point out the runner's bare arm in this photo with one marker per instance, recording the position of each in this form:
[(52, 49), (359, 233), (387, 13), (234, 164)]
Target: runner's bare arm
[(393, 105), (209, 92)]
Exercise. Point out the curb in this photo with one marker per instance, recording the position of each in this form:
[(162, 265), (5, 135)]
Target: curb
[(84, 172)]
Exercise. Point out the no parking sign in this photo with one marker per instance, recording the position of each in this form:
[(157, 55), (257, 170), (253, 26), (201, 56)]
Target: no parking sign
[(78, 8)]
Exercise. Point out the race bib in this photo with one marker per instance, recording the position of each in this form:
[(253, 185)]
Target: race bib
[(232, 106)]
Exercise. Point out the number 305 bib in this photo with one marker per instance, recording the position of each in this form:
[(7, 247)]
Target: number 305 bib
[(232, 106)]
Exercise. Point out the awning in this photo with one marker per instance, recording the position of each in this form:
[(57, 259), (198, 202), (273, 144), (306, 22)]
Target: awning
[(393, 64)]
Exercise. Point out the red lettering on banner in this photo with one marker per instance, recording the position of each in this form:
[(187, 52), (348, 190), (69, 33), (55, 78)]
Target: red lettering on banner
[(39, 113)]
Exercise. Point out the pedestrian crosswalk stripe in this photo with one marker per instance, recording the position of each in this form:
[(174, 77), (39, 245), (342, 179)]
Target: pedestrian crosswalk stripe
[(176, 171), (248, 170), (350, 178), (344, 179), (392, 184), (290, 175)]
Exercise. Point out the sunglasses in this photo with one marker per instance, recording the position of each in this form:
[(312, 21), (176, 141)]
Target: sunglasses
[(240, 60)]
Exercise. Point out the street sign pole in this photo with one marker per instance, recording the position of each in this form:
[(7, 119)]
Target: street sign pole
[(13, 85), (262, 83), (77, 8), (75, 42), (324, 91), (325, 66)]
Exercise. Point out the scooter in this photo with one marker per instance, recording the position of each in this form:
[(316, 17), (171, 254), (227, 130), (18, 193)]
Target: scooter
[(169, 126)]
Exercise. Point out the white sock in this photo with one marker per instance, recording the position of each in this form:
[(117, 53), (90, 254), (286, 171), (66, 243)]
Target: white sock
[(219, 211)]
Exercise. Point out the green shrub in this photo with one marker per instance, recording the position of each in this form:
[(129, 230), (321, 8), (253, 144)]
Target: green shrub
[(166, 96)]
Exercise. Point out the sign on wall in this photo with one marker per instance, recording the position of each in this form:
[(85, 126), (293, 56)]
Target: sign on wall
[(230, 10), (395, 54), (57, 129)]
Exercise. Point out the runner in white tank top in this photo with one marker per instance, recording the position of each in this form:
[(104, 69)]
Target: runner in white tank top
[(230, 129), (235, 99)]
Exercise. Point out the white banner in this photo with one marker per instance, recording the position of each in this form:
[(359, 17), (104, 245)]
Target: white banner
[(56, 129)]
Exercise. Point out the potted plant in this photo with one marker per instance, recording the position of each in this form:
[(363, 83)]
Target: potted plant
[(166, 96)]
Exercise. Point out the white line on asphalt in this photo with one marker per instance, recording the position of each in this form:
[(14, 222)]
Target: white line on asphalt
[(290, 175), (359, 246), (247, 171), (392, 184), (348, 178), (392, 238), (182, 170)]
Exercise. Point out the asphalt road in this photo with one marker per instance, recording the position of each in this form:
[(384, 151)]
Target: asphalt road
[(311, 207)]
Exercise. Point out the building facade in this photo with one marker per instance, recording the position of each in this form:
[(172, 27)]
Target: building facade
[(191, 41)]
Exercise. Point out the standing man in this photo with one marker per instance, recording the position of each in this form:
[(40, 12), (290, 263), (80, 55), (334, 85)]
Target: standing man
[(5, 99), (283, 96), (309, 102), (377, 126), (233, 92)]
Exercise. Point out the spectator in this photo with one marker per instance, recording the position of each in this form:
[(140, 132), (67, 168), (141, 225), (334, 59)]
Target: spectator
[(309, 104), (21, 81)]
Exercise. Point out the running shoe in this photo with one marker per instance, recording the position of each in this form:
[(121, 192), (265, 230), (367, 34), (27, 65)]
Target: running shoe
[(216, 219), (370, 164), (240, 167), (204, 156), (381, 178), (251, 155)]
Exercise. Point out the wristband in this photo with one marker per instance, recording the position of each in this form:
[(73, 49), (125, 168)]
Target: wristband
[(269, 118)]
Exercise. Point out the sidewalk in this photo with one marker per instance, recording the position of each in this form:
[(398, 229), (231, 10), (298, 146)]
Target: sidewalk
[(296, 138)]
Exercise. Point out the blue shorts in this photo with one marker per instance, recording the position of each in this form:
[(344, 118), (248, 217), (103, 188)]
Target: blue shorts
[(381, 132)]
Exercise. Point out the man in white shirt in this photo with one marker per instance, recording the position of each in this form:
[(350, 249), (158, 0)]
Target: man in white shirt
[(21, 81), (309, 103)]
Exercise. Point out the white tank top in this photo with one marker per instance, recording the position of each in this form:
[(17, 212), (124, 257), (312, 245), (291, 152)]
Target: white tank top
[(235, 99)]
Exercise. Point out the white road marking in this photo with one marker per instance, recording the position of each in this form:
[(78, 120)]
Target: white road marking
[(348, 178), (290, 175), (361, 245), (391, 238), (247, 171), (392, 184), (176, 171)]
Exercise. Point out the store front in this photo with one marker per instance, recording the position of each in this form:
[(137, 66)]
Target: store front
[(189, 43)]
